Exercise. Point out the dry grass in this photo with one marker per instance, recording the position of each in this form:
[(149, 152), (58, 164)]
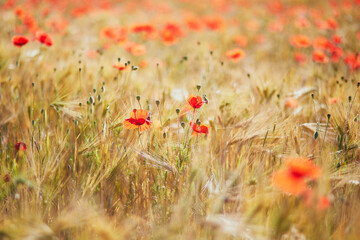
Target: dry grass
[(84, 176)]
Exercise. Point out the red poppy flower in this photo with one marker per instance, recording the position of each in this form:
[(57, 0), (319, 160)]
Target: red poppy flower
[(324, 203), (292, 179), (333, 100), (148, 29), (300, 58), (135, 49), (138, 119), (300, 41), (291, 103), (202, 129), (353, 61), (120, 66), (337, 39), (322, 43), (302, 22), (44, 38), (240, 40), (195, 101), (236, 54), (276, 26), (214, 23), (19, 41), (168, 38), (20, 146), (320, 57), (194, 23)]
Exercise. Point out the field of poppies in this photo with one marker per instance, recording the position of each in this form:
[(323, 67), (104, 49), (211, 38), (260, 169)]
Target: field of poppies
[(208, 119)]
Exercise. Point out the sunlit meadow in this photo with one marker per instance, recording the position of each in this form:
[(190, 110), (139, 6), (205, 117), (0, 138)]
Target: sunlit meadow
[(216, 119)]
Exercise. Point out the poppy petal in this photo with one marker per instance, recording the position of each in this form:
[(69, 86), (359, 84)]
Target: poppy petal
[(284, 181)]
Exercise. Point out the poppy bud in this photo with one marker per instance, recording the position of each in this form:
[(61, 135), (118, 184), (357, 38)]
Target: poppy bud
[(138, 98), (7, 177), (198, 87), (316, 135), (164, 134), (349, 98), (20, 146), (329, 115), (157, 102), (177, 111), (198, 122), (182, 124), (91, 100)]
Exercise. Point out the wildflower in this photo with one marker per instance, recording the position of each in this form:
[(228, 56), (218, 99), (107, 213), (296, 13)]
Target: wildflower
[(333, 100), (135, 49), (320, 57), (291, 103), (119, 66), (44, 38), (337, 39), (213, 23), (195, 101), (199, 129), (300, 41), (194, 24), (300, 58), (240, 40), (292, 179), (236, 54), (20, 146), (19, 41), (302, 22), (139, 118), (324, 203)]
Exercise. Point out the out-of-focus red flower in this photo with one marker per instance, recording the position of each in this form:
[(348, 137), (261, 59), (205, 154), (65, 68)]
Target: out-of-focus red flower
[(202, 129), (300, 58), (333, 100), (302, 22), (116, 34), (20, 146), (19, 41), (332, 23), (352, 61), (194, 24), (321, 43), (293, 178), (19, 12), (240, 40), (138, 119), (320, 57), (168, 38), (236, 54), (324, 203), (120, 66), (135, 49), (214, 23), (44, 38), (291, 103), (276, 26), (148, 29), (336, 39), (300, 41)]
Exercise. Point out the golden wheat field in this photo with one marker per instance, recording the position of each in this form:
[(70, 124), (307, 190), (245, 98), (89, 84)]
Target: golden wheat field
[(179, 119)]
